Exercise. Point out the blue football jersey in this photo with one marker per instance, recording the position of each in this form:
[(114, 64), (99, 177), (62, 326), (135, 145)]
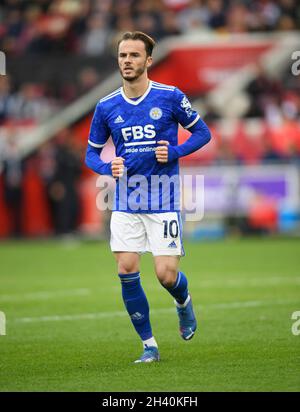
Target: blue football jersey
[(136, 125)]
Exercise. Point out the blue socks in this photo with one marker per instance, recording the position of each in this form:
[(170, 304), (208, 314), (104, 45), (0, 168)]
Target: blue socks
[(180, 290), (136, 304)]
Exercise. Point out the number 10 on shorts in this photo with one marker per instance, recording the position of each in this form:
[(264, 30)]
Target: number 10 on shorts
[(170, 228)]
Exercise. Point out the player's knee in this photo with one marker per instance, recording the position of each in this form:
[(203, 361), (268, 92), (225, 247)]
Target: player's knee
[(166, 276), (127, 263), (127, 266)]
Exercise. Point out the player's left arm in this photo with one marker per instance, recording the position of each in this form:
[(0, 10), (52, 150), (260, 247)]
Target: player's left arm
[(191, 121)]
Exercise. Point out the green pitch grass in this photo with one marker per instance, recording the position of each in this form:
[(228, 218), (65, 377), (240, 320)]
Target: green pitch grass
[(66, 328)]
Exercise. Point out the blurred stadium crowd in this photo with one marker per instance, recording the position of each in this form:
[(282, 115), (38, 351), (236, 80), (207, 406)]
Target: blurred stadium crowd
[(92, 27), (89, 29)]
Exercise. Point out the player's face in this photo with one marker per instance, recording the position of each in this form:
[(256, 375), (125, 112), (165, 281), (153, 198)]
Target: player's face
[(132, 59)]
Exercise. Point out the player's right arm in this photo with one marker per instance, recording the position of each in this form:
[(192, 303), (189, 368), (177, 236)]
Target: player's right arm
[(98, 136)]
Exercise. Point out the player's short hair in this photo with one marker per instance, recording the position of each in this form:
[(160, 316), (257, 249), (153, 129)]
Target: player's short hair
[(139, 35)]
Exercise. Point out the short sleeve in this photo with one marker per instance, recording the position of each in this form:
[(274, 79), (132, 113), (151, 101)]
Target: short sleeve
[(183, 111), (99, 131)]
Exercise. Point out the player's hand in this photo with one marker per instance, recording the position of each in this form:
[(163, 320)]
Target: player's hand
[(117, 167), (161, 152)]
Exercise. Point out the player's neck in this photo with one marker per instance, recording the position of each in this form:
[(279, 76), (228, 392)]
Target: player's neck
[(136, 88)]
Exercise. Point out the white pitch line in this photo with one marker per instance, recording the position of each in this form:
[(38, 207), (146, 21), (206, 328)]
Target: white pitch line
[(105, 315), (44, 295)]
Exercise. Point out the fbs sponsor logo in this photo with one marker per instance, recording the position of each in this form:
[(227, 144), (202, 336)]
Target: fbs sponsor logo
[(138, 132)]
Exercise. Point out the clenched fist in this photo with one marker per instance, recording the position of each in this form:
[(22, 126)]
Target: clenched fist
[(161, 152), (117, 167)]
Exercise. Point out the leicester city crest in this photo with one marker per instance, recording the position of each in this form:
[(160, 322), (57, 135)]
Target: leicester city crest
[(155, 113)]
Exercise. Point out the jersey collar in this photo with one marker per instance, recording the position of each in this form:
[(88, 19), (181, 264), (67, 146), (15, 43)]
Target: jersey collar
[(136, 102)]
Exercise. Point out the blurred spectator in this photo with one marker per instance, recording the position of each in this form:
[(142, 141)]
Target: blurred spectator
[(194, 16), (122, 24), (217, 17), (104, 7), (288, 7), (60, 169), (266, 15), (13, 170), (150, 24), (5, 97), (95, 39), (29, 103), (170, 26), (237, 18), (147, 18), (28, 38), (87, 79), (286, 23), (262, 91)]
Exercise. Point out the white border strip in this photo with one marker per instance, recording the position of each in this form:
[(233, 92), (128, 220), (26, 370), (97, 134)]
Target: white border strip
[(140, 143), (110, 96), (136, 102), (98, 146), (193, 122)]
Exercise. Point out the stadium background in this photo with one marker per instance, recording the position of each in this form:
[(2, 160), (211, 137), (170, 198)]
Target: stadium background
[(234, 60)]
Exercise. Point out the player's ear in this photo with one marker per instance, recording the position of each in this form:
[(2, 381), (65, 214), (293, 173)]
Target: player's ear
[(149, 61)]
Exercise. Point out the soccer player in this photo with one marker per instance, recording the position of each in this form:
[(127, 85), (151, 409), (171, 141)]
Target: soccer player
[(142, 117)]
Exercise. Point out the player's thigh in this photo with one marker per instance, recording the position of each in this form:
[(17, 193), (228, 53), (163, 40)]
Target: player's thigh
[(127, 262), (128, 233)]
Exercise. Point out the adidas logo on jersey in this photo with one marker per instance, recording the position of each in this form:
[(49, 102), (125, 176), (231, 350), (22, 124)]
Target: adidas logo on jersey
[(119, 119), (172, 244)]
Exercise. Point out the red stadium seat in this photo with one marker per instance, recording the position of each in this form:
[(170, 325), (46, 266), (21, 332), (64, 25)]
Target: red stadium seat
[(250, 141), (285, 137), (263, 214)]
